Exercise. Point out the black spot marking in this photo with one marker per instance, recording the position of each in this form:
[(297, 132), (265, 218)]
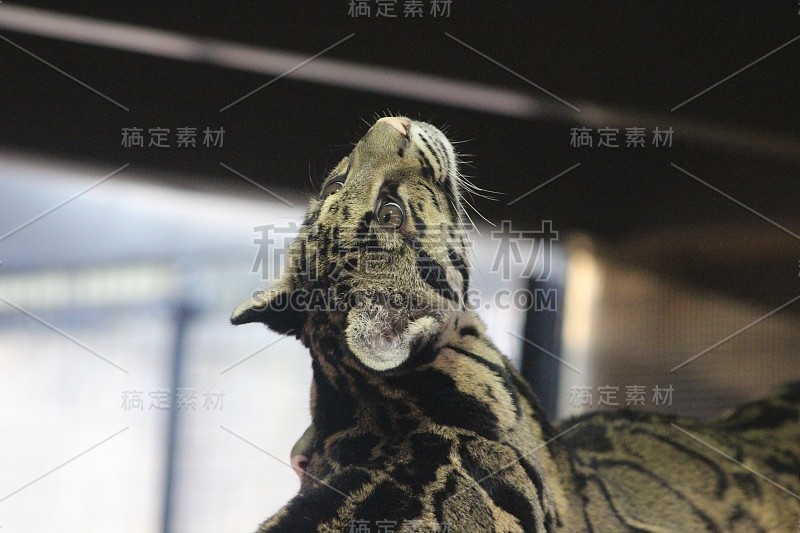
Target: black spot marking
[(741, 520), (382, 418), (318, 503), (340, 407), (387, 500), (783, 464), (458, 262), (434, 200), (427, 168), (324, 240), (748, 484), (440, 400), (792, 393), (336, 248), (469, 330), (592, 437), (302, 264), (443, 152), (421, 354), (552, 520), (311, 218), (451, 200), (761, 414), (353, 450), (362, 228), (443, 495), (710, 524), (502, 494), (419, 223), (351, 264), (719, 474), (499, 371), (390, 189), (428, 453), (403, 425)]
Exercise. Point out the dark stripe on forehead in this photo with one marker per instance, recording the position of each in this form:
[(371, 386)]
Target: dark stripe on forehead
[(450, 198), (431, 150), (444, 152), (419, 223), (433, 197), (450, 194), (427, 169)]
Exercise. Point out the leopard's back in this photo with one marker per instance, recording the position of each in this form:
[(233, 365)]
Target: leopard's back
[(659, 473)]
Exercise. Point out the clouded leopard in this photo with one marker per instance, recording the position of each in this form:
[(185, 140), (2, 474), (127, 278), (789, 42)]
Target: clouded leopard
[(421, 424)]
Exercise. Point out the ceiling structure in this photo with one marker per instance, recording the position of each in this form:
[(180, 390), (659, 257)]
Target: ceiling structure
[(294, 83)]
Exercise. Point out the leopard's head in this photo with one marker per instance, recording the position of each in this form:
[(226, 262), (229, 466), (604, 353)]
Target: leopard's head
[(378, 272)]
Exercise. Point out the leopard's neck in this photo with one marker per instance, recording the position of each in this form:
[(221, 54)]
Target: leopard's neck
[(467, 388)]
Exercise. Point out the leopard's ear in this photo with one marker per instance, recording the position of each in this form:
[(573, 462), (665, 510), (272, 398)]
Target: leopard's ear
[(275, 308)]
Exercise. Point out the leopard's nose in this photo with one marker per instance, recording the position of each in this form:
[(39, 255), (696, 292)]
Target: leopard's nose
[(398, 123)]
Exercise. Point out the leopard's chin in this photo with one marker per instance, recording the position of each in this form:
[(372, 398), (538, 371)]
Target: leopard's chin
[(382, 340)]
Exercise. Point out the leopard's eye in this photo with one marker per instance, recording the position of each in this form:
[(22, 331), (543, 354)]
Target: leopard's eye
[(331, 188), (391, 215)]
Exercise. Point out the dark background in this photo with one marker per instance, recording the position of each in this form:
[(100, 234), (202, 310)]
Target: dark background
[(640, 59)]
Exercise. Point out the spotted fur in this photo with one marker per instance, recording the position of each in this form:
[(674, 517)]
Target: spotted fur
[(421, 424)]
